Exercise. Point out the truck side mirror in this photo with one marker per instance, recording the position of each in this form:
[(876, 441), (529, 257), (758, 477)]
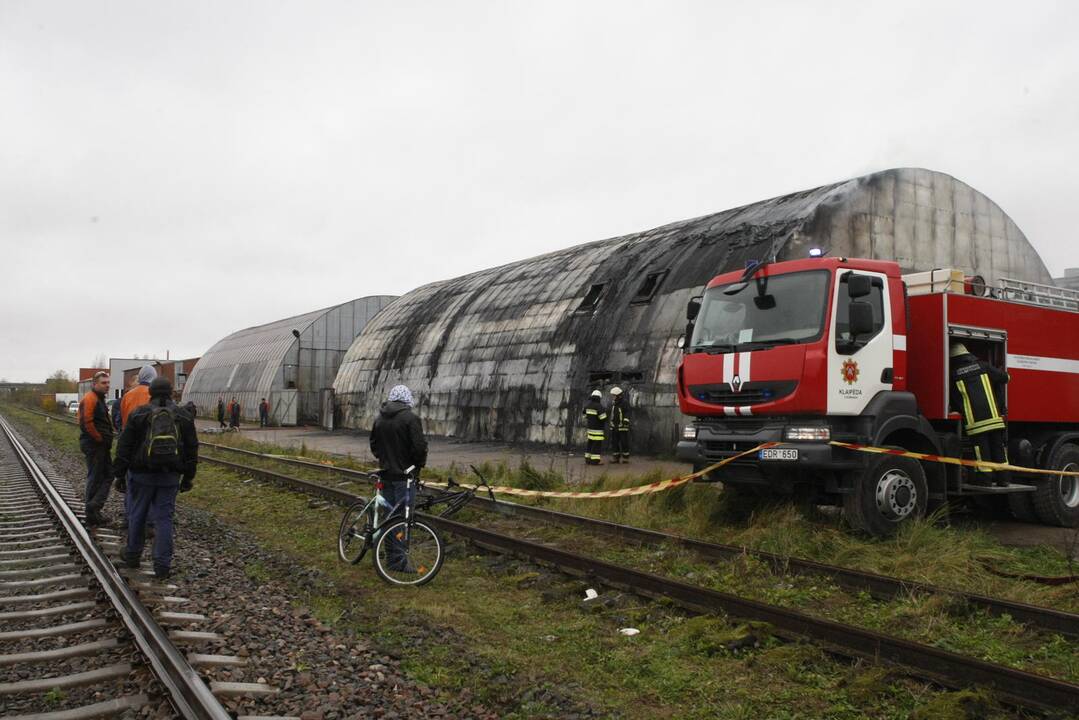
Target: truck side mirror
[(858, 285), (693, 308), (681, 342), (860, 318)]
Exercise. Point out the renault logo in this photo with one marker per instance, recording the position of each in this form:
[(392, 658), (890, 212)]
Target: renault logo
[(736, 383)]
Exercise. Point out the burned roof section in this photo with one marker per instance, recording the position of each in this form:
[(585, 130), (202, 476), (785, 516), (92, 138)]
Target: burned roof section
[(511, 353)]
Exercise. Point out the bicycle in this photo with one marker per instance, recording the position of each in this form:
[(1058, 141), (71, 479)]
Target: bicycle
[(407, 551)]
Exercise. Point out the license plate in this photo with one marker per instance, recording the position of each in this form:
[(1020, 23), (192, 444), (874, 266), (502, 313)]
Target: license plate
[(779, 454)]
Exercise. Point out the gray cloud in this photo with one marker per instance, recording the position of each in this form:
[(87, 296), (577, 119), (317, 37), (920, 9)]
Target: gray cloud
[(256, 160)]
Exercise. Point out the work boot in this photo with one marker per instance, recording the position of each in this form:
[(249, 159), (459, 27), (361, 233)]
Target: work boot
[(161, 572), (94, 518)]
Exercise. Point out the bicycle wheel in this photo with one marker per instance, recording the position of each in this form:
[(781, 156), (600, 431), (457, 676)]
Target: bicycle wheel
[(354, 536), (408, 554)]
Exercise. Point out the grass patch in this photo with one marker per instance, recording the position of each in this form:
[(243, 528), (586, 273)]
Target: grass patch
[(502, 630)]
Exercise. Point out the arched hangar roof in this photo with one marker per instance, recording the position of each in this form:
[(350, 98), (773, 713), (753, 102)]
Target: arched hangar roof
[(511, 352), (258, 361)]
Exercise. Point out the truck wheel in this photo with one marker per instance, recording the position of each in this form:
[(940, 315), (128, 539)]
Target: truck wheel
[(890, 492), (1057, 499), (1022, 507)]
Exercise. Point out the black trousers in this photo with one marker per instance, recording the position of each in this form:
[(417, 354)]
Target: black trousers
[(593, 453), (620, 444), (991, 446), (98, 475)]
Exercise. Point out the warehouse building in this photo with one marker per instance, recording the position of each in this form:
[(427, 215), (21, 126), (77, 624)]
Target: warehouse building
[(511, 353), (290, 362)]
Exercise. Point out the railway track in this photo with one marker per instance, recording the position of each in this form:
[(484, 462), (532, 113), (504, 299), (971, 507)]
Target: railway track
[(1021, 688), (881, 587), (73, 628), (946, 668)]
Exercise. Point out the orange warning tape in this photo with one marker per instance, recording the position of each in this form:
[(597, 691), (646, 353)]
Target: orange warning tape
[(928, 457), (658, 486)]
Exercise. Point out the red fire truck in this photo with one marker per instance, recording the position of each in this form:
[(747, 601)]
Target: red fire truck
[(805, 352)]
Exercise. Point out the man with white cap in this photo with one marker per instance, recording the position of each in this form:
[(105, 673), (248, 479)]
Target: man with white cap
[(398, 442), (595, 416), (619, 427)]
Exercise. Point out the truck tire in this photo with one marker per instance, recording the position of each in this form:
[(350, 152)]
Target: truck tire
[(891, 491), (1022, 507), (1057, 499)]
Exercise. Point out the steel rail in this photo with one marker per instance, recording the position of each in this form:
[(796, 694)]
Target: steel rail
[(882, 587), (941, 666), (189, 694)]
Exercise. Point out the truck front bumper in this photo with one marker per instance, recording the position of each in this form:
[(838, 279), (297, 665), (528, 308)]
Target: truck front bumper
[(716, 442)]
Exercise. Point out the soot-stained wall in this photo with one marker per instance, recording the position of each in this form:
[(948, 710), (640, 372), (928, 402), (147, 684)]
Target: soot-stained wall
[(509, 353)]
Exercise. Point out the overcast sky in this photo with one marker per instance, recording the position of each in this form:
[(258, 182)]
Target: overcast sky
[(172, 172)]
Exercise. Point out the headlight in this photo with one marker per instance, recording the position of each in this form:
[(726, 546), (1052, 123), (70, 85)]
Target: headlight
[(689, 433), (815, 432)]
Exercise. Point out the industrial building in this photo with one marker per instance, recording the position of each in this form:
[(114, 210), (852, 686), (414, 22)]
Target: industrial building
[(511, 353), (290, 362)]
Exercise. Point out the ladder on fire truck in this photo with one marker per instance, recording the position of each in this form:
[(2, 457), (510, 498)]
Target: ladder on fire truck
[(1038, 294), (947, 280)]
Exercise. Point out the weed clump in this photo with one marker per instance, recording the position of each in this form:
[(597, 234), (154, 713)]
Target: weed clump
[(709, 636), (960, 705)]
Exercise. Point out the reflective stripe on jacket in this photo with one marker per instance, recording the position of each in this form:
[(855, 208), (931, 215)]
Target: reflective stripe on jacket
[(595, 416), (619, 417), (974, 396)]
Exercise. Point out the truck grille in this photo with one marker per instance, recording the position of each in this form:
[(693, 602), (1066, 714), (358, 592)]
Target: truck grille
[(751, 393)]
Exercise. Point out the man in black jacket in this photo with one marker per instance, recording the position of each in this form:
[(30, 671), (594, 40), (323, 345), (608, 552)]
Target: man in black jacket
[(95, 441), (160, 447), (397, 441)]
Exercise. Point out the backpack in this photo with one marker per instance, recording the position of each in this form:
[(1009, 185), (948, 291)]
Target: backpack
[(161, 445)]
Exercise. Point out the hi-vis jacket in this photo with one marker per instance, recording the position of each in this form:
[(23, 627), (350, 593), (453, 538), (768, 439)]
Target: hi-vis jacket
[(596, 419), (619, 417), (974, 393)]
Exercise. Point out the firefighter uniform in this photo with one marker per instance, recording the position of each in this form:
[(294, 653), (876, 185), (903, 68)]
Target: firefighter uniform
[(619, 427), (595, 420), (975, 394)]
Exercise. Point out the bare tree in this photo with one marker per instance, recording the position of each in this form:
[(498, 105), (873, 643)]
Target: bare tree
[(100, 361)]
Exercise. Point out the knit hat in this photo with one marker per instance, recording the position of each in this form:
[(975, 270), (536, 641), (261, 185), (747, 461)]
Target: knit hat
[(401, 393), (161, 387), (147, 374)]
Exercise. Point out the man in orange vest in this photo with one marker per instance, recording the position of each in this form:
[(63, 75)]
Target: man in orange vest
[(138, 395)]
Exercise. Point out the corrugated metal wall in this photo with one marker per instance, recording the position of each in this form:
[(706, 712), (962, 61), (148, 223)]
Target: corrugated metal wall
[(268, 361)]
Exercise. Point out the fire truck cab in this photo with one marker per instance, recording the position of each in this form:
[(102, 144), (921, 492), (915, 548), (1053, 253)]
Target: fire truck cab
[(805, 352)]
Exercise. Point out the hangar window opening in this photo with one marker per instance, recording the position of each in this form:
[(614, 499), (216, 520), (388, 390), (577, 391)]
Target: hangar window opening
[(648, 288), (591, 298)]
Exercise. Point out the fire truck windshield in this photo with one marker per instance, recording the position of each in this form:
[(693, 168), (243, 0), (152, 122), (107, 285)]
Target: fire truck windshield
[(777, 310)]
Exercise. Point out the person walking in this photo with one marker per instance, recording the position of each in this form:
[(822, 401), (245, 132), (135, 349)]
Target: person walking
[(160, 447), (398, 442), (221, 410), (234, 413), (595, 416), (95, 441), (976, 391), (264, 413), (619, 427)]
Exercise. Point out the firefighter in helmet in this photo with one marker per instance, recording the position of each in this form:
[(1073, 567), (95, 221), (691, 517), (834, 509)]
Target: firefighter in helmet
[(619, 427), (976, 392), (595, 416)]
